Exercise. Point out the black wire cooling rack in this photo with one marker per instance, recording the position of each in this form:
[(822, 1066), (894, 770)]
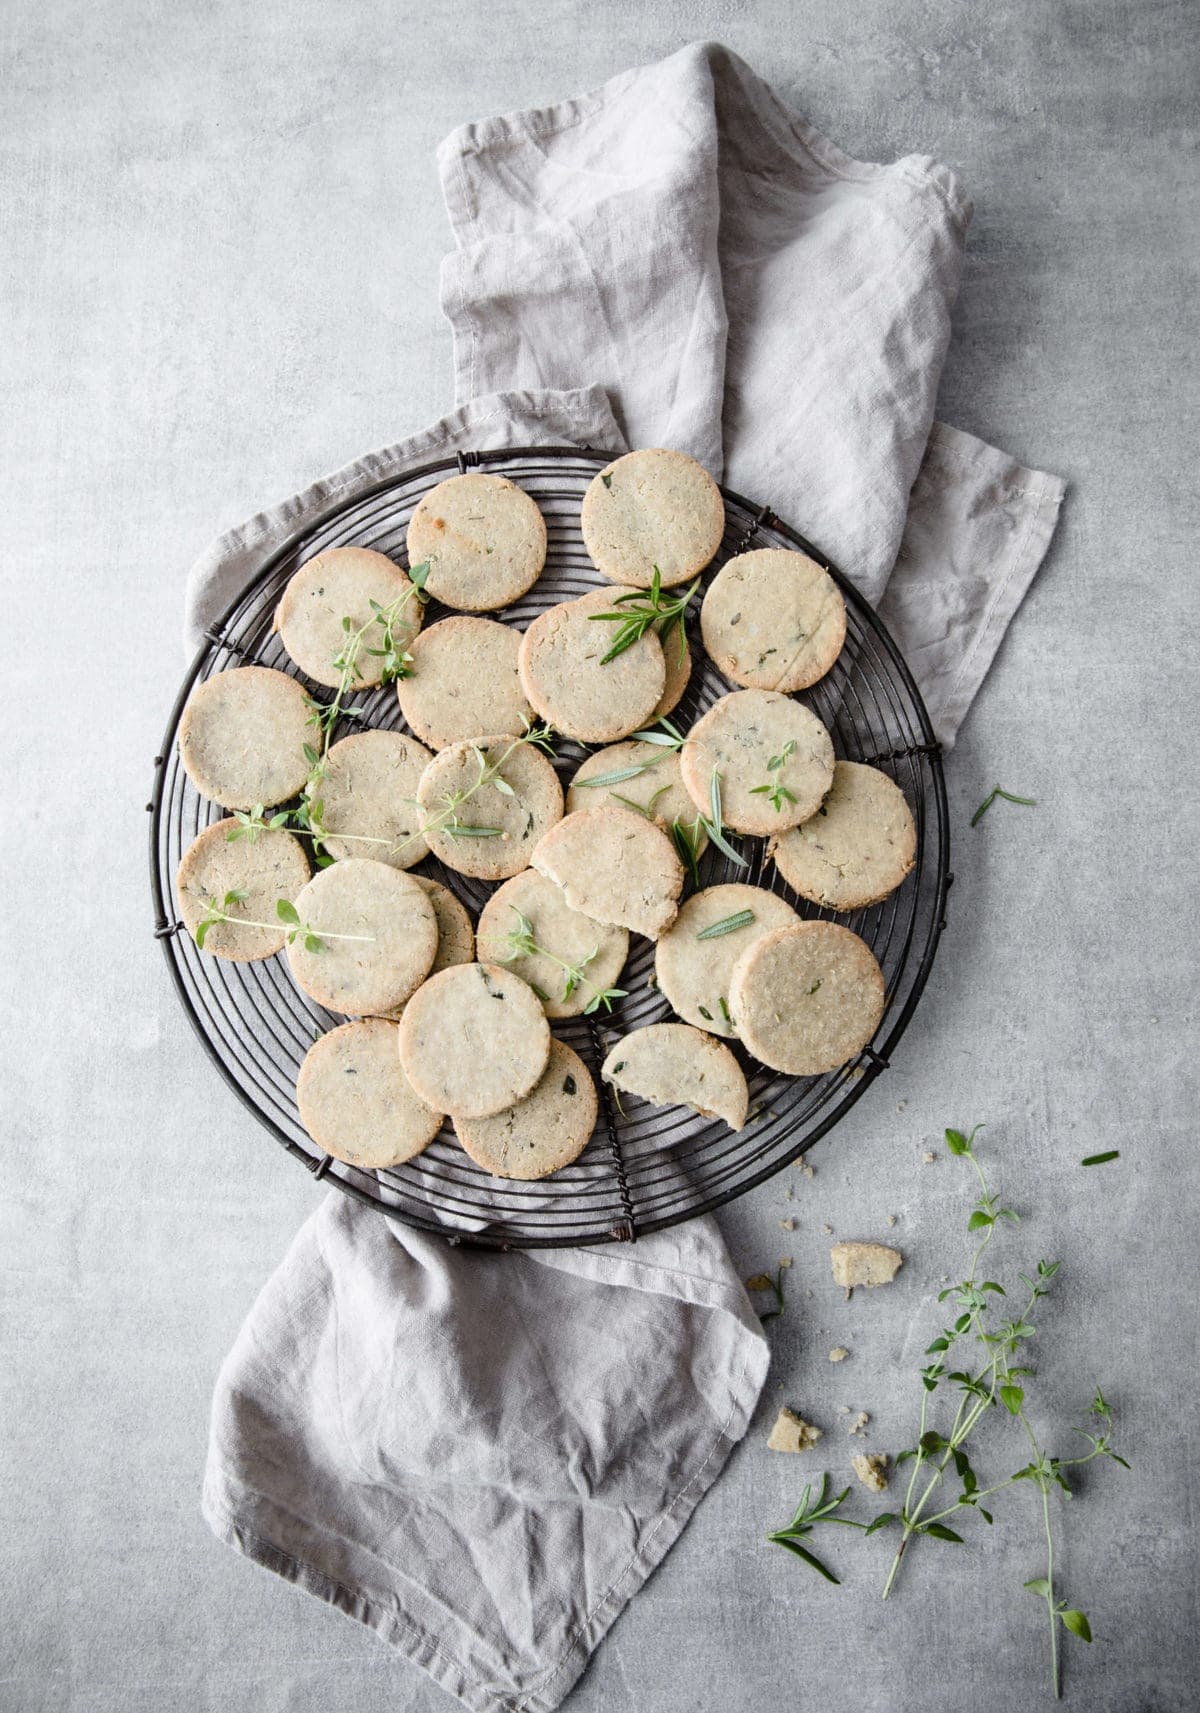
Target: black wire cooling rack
[(646, 1167)]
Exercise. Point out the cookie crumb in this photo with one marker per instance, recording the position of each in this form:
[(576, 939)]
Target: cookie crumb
[(787, 1225), (839, 1353), (890, 1220), (828, 1230), (759, 1282), (871, 1467), (792, 1433), (928, 1157), (809, 1171), (858, 1425), (867, 1264), (843, 1409), (901, 1106), (785, 1261)]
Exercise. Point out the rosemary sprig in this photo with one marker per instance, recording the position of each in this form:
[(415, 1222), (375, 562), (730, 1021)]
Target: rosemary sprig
[(686, 837), (997, 791), (713, 825), (664, 733), (397, 662), (1101, 1159), (810, 1511), (727, 925), (217, 910), (775, 789), (522, 943), (617, 776), (643, 608)]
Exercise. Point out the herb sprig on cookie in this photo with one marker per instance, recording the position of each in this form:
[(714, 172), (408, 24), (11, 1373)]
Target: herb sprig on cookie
[(313, 938), (381, 627), (642, 608), (523, 943)]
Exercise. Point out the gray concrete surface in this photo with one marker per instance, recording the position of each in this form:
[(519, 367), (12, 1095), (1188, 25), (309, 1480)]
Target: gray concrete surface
[(197, 201)]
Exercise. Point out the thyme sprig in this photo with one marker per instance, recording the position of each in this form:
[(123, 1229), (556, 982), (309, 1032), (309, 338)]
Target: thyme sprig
[(397, 662), (998, 791), (523, 943), (447, 819), (217, 910), (775, 789), (642, 608), (810, 1511)]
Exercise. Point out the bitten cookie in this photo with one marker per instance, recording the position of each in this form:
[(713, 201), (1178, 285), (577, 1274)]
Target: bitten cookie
[(639, 775), (542, 1133), (806, 999), (489, 830), (355, 1100), (858, 846), (773, 756), (378, 937), (367, 798), (773, 620), (694, 959), (566, 940), (671, 1064), (464, 679), (274, 866), (566, 678), (242, 737), (483, 539), (474, 1040), (340, 584), (615, 866), (652, 509)]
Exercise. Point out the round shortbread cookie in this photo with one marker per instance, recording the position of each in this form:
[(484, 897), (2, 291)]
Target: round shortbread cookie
[(773, 620), (242, 737), (615, 866), (672, 1064), (561, 932), (657, 789), (678, 663), (367, 798), (858, 846), (759, 741), (652, 510), (565, 676), (516, 817), (341, 584), (542, 1133), (272, 866), (806, 999), (395, 937), (474, 1039), (464, 680), (483, 539), (692, 964), (355, 1100)]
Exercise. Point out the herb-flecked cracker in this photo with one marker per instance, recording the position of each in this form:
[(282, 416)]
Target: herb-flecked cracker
[(542, 1133), (474, 1039), (652, 510), (355, 1100)]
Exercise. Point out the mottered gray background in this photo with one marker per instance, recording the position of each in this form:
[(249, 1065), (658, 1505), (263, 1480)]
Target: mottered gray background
[(218, 277)]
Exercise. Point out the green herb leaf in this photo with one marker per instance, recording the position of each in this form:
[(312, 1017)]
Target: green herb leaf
[(287, 912), (940, 1532), (1013, 1398), (727, 925), (1101, 1159), (997, 791), (1078, 1625)]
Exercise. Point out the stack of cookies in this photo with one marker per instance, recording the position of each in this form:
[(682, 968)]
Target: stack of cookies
[(450, 1018)]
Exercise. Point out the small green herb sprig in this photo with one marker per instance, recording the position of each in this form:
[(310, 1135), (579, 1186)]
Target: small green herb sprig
[(488, 772), (522, 943), (396, 663), (998, 791), (217, 910), (774, 1284), (640, 609), (689, 836), (775, 789), (810, 1511), (306, 822)]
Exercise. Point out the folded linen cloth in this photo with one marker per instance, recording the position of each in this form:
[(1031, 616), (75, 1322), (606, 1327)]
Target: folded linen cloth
[(483, 1456)]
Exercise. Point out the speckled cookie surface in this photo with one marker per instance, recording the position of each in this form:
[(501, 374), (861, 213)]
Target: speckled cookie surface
[(456, 936), (474, 1039), (274, 866), (338, 584), (672, 1064), (677, 659), (509, 814), (692, 971), (857, 848), (542, 1133), (806, 999), (652, 508), (463, 680), (483, 539), (242, 737), (653, 781), (615, 866), (759, 741), (394, 948), (355, 1100), (368, 797), (561, 933), (568, 682), (773, 620)]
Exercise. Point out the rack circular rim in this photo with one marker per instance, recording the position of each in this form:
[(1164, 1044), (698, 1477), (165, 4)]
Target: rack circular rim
[(728, 1183)]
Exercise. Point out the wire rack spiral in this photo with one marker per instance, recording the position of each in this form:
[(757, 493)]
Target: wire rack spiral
[(646, 1167)]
